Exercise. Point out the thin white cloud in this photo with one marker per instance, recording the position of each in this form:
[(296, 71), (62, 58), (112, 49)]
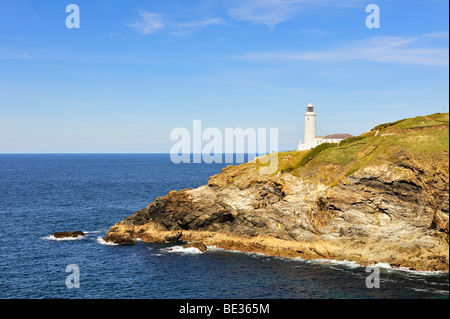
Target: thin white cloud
[(437, 35), (377, 49), (201, 24), (148, 22), (268, 12), (272, 12), (183, 29)]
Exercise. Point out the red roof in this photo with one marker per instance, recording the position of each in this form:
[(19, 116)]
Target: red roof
[(337, 136)]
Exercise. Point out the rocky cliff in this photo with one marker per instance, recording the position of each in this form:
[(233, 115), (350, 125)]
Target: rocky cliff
[(382, 197)]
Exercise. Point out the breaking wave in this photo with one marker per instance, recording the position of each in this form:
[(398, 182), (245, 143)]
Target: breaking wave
[(51, 237), (100, 241), (180, 249)]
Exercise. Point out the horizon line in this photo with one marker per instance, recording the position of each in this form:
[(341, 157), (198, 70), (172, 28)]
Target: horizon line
[(119, 153)]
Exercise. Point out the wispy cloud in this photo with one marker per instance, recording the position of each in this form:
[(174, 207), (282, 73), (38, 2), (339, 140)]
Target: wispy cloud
[(194, 26), (268, 12), (200, 24), (272, 12), (405, 50), (149, 23)]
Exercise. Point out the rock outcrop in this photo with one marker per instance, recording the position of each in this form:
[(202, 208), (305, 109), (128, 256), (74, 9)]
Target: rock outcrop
[(386, 203), (68, 234)]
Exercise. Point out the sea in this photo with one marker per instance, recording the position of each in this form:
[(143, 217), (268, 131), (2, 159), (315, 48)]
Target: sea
[(45, 193)]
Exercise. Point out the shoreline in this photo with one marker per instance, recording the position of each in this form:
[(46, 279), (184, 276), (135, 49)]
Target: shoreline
[(269, 246)]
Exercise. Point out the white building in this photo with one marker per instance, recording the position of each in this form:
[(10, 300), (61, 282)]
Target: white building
[(311, 140)]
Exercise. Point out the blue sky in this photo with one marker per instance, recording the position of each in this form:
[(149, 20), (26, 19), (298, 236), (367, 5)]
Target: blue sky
[(136, 70)]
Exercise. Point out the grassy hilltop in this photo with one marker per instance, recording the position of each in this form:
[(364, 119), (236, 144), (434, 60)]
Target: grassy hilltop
[(423, 139)]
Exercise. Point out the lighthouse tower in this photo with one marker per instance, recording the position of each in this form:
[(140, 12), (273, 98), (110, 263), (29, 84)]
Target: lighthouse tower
[(310, 126), (310, 130)]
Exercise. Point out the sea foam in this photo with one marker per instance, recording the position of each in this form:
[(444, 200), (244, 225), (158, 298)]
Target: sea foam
[(100, 241), (51, 237), (180, 249)]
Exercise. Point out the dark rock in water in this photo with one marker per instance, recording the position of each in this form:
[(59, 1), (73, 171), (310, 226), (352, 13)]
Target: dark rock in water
[(198, 244), (121, 240), (66, 234)]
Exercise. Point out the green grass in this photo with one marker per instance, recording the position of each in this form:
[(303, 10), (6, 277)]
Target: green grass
[(415, 123), (302, 158), (292, 163), (417, 141), (413, 138), (440, 117), (424, 146), (350, 140), (342, 155), (385, 125), (314, 152)]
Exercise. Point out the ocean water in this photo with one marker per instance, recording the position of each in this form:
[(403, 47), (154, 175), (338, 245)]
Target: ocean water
[(42, 194)]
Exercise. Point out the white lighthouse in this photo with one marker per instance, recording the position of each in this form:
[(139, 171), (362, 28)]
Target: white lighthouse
[(311, 140), (310, 126)]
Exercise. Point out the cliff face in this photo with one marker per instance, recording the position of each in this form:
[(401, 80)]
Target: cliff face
[(371, 200)]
